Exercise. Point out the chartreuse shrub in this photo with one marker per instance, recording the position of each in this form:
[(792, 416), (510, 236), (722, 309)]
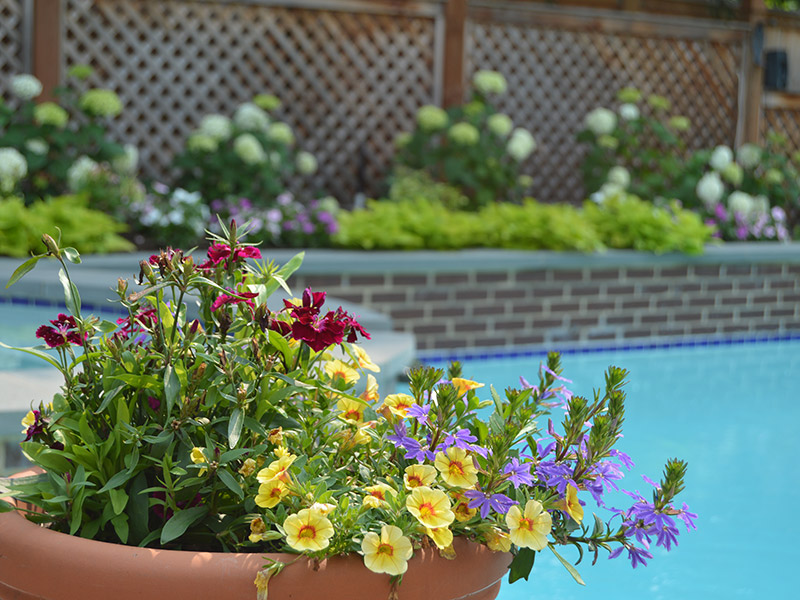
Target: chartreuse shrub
[(67, 217), (623, 221)]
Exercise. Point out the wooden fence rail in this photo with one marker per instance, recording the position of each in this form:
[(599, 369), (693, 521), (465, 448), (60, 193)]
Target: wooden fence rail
[(352, 73)]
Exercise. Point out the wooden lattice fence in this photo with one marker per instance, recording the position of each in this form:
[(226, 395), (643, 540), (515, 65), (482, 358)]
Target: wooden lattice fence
[(13, 43), (561, 66)]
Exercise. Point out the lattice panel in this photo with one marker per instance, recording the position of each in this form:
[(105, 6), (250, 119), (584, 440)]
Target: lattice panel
[(785, 121), (349, 82), (11, 41), (557, 76)]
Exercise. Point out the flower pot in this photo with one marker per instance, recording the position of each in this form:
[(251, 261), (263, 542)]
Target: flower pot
[(37, 563)]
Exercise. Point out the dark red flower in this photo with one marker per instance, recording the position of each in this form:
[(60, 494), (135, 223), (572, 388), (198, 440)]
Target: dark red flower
[(224, 299), (64, 330), (154, 402), (35, 428), (319, 333), (221, 253), (143, 321)]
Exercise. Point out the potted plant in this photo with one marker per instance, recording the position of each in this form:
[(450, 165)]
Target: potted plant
[(213, 438)]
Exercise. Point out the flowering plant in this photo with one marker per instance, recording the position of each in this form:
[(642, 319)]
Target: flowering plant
[(239, 426), (472, 147), (251, 155), (52, 148), (164, 214)]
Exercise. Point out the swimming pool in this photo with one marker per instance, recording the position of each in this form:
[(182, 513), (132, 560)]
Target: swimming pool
[(731, 411)]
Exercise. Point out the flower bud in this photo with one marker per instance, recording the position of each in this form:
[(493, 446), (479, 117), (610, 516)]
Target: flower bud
[(122, 286), (50, 244)]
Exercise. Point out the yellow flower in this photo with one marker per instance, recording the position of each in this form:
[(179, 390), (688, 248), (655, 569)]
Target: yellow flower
[(498, 541), (275, 436), (399, 403), (308, 530), (364, 361), (387, 553), (457, 467), (337, 368), (461, 509), (430, 507), (198, 457), (271, 493), (277, 469), (464, 385), (571, 505), (29, 420), (370, 394), (419, 475), (323, 508), (248, 467), (377, 494), (352, 410), (529, 529), (441, 536), (281, 451), (257, 530)]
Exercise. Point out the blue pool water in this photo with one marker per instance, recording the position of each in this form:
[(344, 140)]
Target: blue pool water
[(732, 412)]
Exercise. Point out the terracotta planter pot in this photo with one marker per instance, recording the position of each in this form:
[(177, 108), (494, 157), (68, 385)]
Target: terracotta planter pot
[(39, 564)]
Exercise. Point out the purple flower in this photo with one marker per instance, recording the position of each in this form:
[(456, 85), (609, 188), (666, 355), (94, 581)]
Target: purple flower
[(623, 458), (500, 503), (556, 475), (636, 555), (154, 402), (419, 412), (720, 212), (462, 439), (687, 517), (519, 473)]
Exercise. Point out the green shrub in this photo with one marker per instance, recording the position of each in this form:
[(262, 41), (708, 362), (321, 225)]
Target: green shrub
[(64, 217), (626, 221)]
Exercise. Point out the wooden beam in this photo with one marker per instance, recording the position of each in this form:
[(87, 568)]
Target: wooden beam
[(753, 75), (47, 45), (455, 15)]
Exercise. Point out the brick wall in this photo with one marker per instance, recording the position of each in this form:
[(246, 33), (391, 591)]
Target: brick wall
[(461, 307)]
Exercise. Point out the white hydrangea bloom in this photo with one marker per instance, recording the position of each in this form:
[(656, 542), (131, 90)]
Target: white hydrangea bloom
[(181, 196), (281, 133), (250, 117), (742, 203), (490, 82), (721, 157), (25, 87), (128, 161), (306, 163), (37, 146), (216, 126), (151, 217), (629, 112), (601, 121), (431, 118), (606, 191), (710, 189), (521, 144), (201, 142), (500, 124), (733, 173), (13, 167), (619, 176), (249, 149), (80, 173), (748, 155)]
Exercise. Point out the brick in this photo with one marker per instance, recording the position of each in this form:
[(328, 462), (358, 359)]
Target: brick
[(640, 273), (605, 275), (670, 302), (485, 342), (450, 278), (569, 275), (548, 292), (324, 281), (472, 294), (766, 299), (509, 294), (750, 285), (528, 339), (470, 326), (491, 277), (506, 325), (531, 275), (787, 297), (425, 328), (354, 297), (454, 310), (733, 301), (650, 319), (654, 288), (686, 287), (385, 297), (491, 309), (565, 336), (601, 335), (407, 313), (734, 328), (626, 304), (620, 290), (686, 317), (675, 330), (636, 333), (450, 343), (595, 305), (719, 286), (781, 312), (673, 272), (701, 301), (620, 320), (767, 327), (570, 306), (782, 284), (527, 307), (430, 295), (769, 269), (702, 330), (706, 270), (720, 315), (585, 291), (738, 269), (409, 279), (367, 280), (582, 321), (751, 314), (543, 323)]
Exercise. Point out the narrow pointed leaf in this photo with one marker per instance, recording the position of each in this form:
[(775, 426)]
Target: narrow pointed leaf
[(21, 270), (570, 569)]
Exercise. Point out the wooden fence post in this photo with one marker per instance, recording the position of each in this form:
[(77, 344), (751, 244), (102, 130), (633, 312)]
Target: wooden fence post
[(455, 16), (47, 45), (748, 129)]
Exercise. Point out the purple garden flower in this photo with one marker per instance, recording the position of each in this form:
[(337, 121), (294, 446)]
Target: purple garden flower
[(419, 412), (500, 503), (519, 473), (462, 439)]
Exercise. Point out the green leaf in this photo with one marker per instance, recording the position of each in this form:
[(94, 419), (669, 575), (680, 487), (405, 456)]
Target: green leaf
[(230, 455), (71, 295), (570, 569), (120, 523), (21, 270), (521, 565), (172, 387), (119, 499), (138, 509), (35, 352), (72, 255), (180, 522), (235, 427), (231, 483), (50, 460)]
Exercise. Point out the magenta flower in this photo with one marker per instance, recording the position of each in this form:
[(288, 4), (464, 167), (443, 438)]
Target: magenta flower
[(319, 333), (224, 299), (63, 331), (221, 253)]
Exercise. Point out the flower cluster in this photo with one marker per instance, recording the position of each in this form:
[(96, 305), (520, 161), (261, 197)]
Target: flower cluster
[(175, 215), (471, 147), (246, 423), (286, 223)]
